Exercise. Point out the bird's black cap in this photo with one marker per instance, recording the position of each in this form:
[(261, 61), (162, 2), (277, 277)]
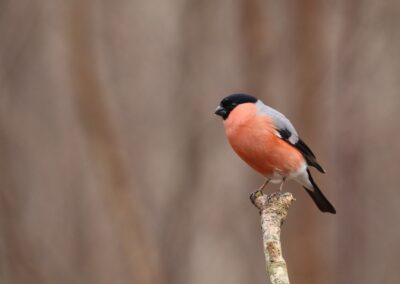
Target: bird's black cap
[(231, 101)]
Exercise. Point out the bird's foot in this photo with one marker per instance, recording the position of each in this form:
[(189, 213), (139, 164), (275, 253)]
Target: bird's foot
[(261, 188), (254, 195), (282, 183)]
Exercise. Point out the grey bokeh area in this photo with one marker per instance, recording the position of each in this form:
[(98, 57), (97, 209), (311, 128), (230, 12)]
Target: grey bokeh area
[(114, 169)]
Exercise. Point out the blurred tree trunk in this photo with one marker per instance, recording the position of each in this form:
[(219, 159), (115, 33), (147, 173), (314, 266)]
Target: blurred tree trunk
[(366, 155), (68, 215)]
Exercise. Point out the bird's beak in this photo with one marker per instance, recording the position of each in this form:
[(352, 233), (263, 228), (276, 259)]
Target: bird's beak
[(220, 111)]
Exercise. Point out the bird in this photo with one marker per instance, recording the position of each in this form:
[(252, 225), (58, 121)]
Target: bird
[(268, 142)]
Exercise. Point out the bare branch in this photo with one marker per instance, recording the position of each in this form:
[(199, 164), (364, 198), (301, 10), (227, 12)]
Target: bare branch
[(273, 210)]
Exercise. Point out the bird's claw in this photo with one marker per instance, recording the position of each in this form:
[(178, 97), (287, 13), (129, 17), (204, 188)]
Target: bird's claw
[(254, 195)]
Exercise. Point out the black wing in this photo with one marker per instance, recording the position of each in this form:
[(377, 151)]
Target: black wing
[(303, 148)]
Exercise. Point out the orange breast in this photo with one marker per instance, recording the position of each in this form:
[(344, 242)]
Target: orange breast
[(253, 138)]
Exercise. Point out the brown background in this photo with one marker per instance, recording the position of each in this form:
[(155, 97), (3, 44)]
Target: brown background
[(113, 168)]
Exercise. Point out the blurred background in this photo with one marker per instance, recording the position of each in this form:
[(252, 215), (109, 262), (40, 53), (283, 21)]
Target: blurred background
[(114, 168)]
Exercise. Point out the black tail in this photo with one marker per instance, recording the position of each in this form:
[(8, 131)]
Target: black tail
[(320, 200)]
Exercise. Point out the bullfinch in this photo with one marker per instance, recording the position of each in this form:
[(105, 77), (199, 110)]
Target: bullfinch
[(266, 140)]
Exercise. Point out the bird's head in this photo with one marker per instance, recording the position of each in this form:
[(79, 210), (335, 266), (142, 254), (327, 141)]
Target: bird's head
[(230, 102)]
